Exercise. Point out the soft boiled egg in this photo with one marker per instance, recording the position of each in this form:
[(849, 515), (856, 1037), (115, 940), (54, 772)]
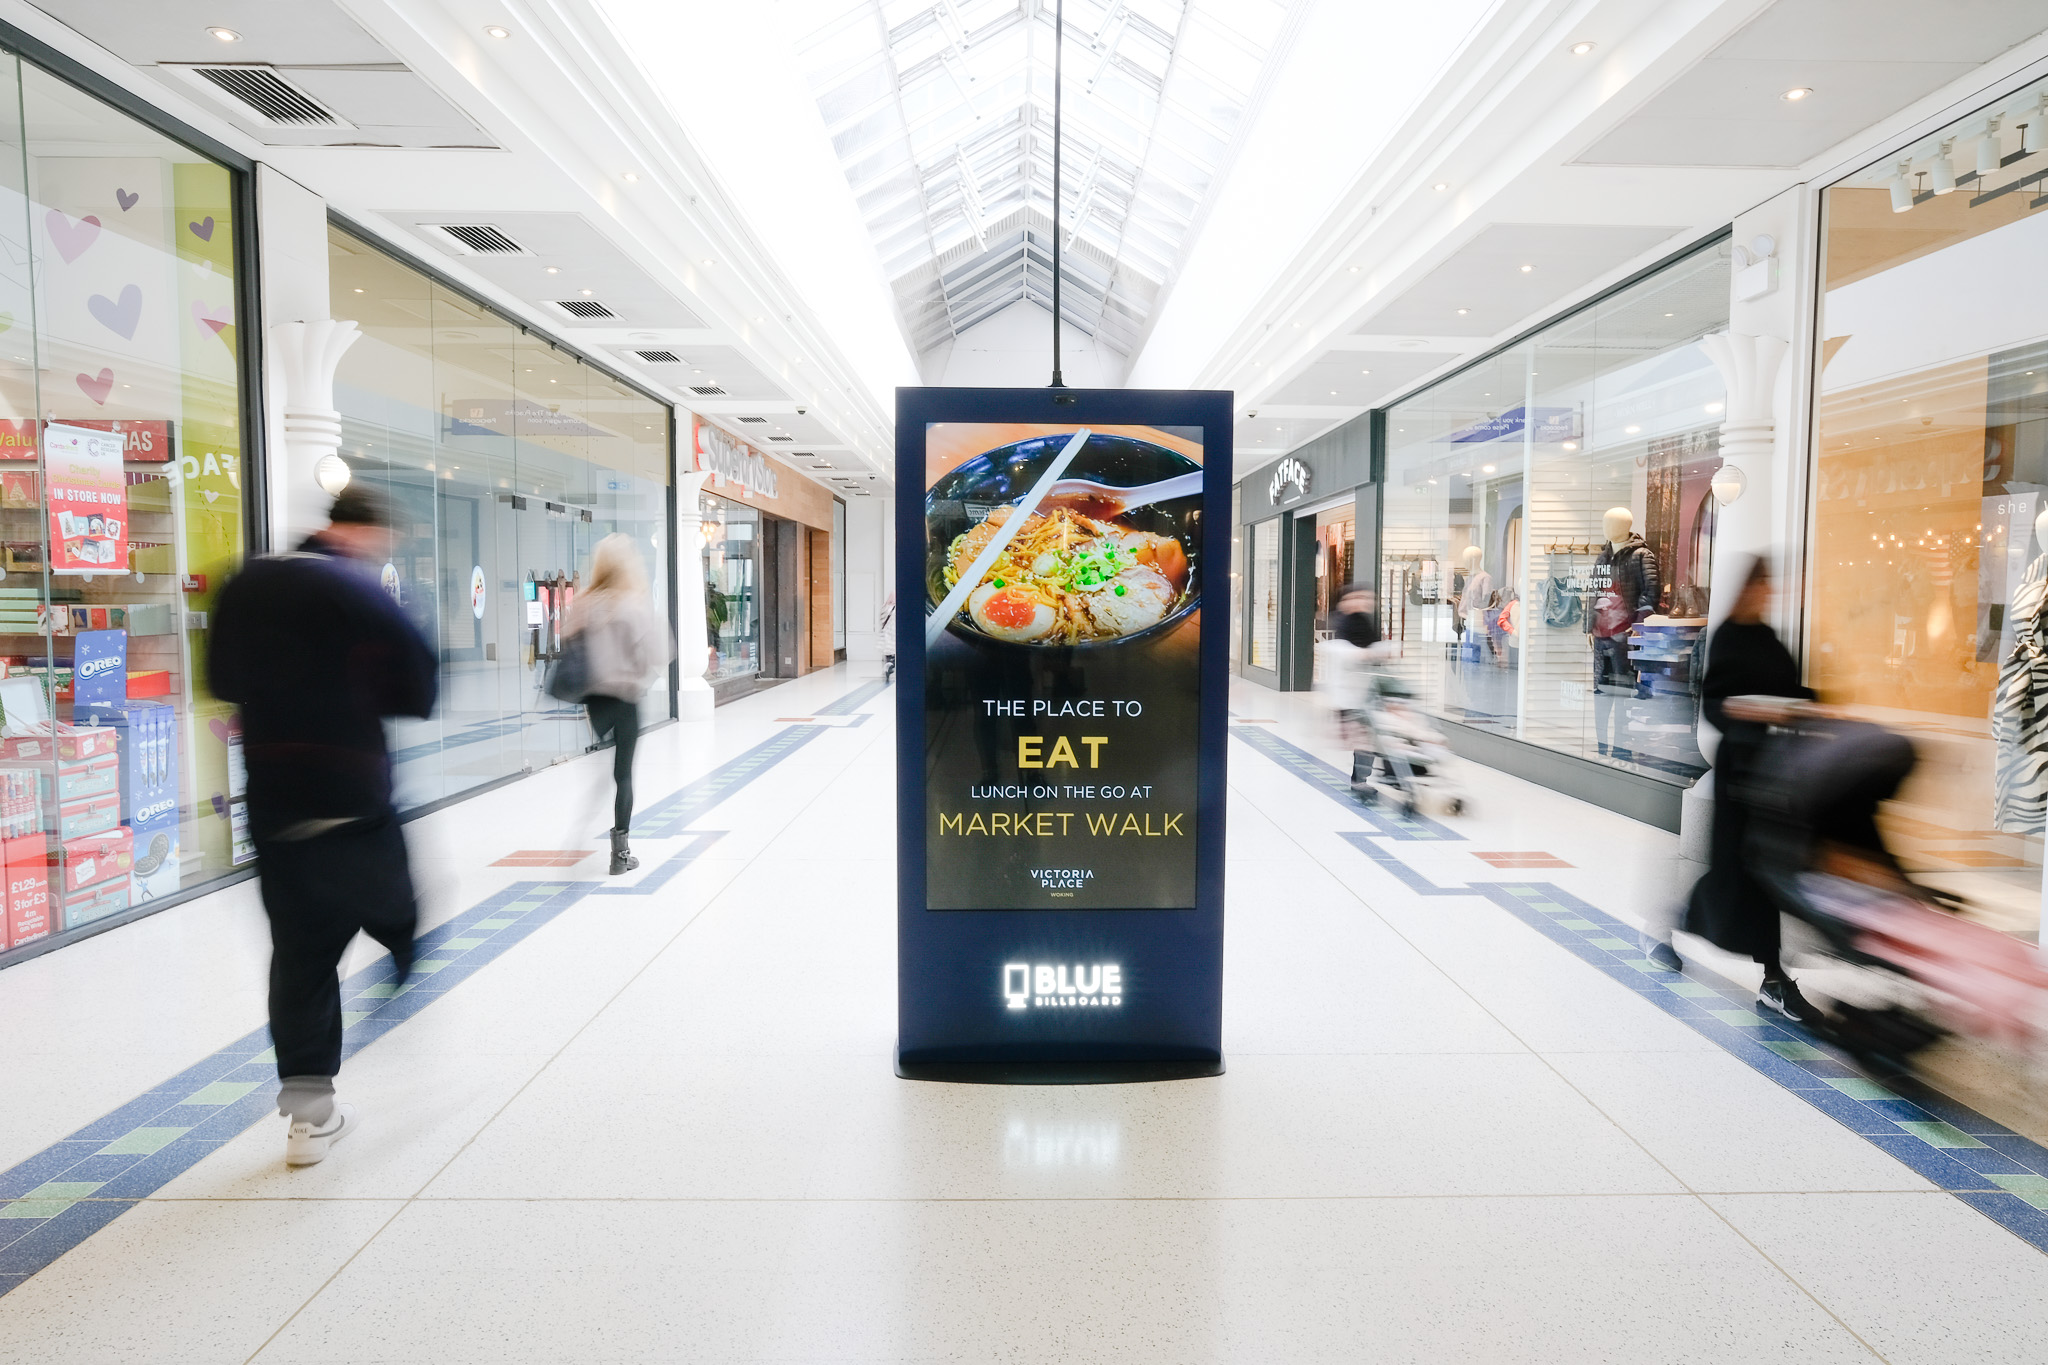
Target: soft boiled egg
[(1011, 613)]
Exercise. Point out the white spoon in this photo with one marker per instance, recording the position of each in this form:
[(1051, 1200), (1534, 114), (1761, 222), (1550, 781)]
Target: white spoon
[(1102, 502)]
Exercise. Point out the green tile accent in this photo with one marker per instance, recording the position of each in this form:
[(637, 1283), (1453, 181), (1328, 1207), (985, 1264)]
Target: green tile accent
[(353, 1017), (1645, 966), (429, 967), (64, 1189), (385, 990), (1527, 893), (142, 1141), (1609, 943), (1796, 1052), (2032, 1188), (1739, 1018), (220, 1092), (1856, 1088), (1935, 1133), (35, 1208), (493, 925), (1578, 924), (1694, 990), (461, 944), (268, 1054)]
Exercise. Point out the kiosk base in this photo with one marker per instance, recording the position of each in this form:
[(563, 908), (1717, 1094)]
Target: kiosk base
[(986, 1070)]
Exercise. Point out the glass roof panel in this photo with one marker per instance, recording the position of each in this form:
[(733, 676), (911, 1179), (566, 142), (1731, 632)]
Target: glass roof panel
[(941, 114)]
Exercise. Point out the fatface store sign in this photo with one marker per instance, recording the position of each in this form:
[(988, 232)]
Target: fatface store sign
[(1290, 473), (1061, 722), (730, 459)]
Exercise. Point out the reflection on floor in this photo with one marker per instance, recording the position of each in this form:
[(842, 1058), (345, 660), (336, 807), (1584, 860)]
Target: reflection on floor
[(653, 1118)]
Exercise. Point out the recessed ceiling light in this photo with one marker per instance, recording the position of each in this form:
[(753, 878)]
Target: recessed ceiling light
[(1797, 93), (1581, 49), (1668, 315), (1487, 468), (226, 35), (1333, 393), (497, 32), (1630, 430), (1365, 371), (359, 291), (711, 263), (631, 177), (1527, 268), (554, 270), (586, 293), (1354, 270), (1463, 311), (1440, 186)]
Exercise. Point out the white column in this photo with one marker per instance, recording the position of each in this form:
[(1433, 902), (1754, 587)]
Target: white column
[(306, 354), (693, 695), (1749, 368)]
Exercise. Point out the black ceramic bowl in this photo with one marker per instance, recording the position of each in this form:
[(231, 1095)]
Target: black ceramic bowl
[(966, 495)]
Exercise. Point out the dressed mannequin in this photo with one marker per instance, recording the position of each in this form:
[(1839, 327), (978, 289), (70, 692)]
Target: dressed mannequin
[(1477, 593), (2019, 713), (1625, 592)]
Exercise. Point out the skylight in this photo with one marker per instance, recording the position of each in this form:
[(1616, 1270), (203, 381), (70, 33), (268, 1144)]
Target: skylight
[(941, 116)]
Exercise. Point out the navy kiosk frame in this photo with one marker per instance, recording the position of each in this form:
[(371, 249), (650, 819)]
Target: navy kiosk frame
[(1035, 945)]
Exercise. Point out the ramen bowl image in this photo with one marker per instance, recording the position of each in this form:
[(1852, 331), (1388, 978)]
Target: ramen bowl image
[(1082, 569)]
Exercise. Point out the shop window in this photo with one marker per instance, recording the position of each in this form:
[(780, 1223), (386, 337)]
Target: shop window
[(509, 460), (1930, 480), (1517, 612), (732, 587), (1265, 609), (121, 513)]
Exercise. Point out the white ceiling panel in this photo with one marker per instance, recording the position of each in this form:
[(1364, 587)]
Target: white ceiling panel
[(1354, 378), (702, 367), (1862, 60), (586, 267), (1482, 290)]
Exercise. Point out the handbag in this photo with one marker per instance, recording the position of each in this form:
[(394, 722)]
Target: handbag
[(569, 680)]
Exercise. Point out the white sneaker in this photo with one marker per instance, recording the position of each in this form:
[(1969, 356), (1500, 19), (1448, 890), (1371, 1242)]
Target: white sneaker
[(306, 1145)]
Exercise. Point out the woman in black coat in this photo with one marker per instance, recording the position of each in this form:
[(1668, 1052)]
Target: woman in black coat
[(1729, 907)]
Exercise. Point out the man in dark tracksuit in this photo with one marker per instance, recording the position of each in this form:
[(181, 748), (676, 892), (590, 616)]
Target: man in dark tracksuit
[(317, 654)]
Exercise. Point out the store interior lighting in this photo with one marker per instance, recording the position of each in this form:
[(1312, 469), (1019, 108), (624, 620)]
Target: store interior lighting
[(1987, 149), (1944, 171), (1902, 193)]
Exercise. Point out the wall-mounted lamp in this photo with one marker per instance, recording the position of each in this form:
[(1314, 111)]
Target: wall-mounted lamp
[(331, 472), (1729, 483)]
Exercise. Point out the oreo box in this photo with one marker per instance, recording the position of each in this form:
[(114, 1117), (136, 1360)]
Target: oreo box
[(148, 748)]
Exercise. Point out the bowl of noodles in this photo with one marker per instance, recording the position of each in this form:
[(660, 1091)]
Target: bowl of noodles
[(1076, 574)]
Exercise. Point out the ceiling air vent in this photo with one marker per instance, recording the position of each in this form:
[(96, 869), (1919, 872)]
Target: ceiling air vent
[(790, 439), (660, 357), (584, 308), (706, 390), (756, 421), (270, 96), (482, 238)]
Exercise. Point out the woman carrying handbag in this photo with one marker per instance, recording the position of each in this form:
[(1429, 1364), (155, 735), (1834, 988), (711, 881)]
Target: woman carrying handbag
[(611, 650)]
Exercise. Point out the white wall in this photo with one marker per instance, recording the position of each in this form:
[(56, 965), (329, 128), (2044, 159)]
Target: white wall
[(291, 225), (870, 560), (1013, 349)]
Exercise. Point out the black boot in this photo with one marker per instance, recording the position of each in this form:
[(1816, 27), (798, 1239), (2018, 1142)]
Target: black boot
[(622, 857)]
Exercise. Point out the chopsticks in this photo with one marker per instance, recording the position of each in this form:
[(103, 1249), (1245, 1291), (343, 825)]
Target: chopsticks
[(935, 624)]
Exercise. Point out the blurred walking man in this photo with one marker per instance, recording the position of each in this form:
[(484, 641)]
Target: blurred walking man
[(316, 654)]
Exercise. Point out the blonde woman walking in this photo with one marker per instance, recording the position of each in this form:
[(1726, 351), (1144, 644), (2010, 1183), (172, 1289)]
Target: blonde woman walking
[(622, 640)]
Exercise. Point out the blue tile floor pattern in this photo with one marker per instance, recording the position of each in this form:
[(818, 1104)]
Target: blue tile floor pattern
[(1981, 1162), (73, 1188)]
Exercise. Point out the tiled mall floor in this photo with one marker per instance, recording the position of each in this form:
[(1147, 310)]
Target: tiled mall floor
[(664, 1127)]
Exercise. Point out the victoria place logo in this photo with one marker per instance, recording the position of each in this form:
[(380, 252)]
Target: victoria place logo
[(1288, 471), (1059, 985), (724, 456)]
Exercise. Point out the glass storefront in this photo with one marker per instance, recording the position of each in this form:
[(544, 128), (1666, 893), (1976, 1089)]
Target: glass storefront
[(1930, 481), (509, 459), (1265, 595), (122, 512), (1548, 527), (732, 587)]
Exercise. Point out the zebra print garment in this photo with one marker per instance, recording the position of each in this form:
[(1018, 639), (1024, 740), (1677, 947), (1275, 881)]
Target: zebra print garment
[(2019, 716)]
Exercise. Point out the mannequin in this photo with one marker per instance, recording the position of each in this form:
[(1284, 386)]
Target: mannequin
[(1625, 592), (1478, 592), (2019, 713)]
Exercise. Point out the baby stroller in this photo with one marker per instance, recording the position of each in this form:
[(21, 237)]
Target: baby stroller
[(1396, 749), (1925, 971)]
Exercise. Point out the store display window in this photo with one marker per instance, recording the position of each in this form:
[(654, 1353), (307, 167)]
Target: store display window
[(732, 587), (1930, 481), (122, 511), (1265, 593), (1548, 527), (509, 459)]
